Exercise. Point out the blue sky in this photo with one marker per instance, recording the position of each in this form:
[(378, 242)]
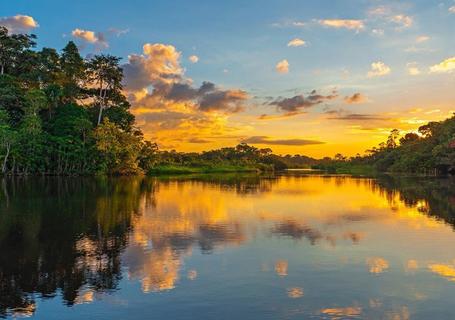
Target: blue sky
[(239, 43)]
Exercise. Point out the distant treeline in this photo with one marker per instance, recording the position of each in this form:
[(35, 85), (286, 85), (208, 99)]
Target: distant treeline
[(430, 151)]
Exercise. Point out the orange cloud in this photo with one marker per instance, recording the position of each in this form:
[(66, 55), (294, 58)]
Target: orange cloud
[(343, 23), (296, 42), (19, 23), (282, 66), (88, 36)]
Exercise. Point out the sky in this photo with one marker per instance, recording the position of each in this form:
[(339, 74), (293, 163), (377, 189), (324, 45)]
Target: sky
[(300, 77)]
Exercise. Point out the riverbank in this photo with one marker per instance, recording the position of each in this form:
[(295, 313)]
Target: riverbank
[(181, 169)]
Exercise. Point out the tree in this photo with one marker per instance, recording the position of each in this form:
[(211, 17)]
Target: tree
[(148, 155), (106, 75), (392, 139), (119, 149), (7, 138), (12, 47), (409, 138), (12, 99), (73, 72)]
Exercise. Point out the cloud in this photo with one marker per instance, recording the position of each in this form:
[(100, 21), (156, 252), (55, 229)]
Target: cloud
[(296, 42), (355, 98), (19, 23), (193, 59), (452, 9), (282, 142), (378, 69), (358, 117), (378, 32), (198, 140), (378, 11), (299, 24), (446, 66), (413, 69), (282, 66), (403, 21), (343, 23), (158, 66), (118, 32), (297, 103), (207, 97), (422, 38), (96, 38)]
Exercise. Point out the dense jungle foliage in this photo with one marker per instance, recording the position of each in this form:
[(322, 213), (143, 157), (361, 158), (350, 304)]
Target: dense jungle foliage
[(429, 151)]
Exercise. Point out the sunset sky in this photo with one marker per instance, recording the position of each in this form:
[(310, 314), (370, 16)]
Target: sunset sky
[(308, 77)]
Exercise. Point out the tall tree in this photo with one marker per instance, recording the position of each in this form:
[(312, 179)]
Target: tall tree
[(106, 76), (12, 47), (73, 72)]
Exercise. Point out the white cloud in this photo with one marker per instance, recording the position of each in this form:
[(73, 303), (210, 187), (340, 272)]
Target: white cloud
[(422, 38), (403, 21), (446, 66), (299, 24), (343, 23), (452, 9), (194, 59), (19, 23), (282, 66), (379, 69), (413, 69), (296, 42)]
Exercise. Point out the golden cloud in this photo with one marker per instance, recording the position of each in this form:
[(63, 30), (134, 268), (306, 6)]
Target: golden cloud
[(378, 69), (19, 23), (446, 66), (91, 37), (282, 66), (296, 42), (343, 23), (193, 59)]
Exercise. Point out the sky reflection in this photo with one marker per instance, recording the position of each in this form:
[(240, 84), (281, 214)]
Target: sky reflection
[(311, 246)]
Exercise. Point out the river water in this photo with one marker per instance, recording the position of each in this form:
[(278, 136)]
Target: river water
[(291, 246)]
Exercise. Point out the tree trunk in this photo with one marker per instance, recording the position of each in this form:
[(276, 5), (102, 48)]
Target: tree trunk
[(5, 161), (100, 114)]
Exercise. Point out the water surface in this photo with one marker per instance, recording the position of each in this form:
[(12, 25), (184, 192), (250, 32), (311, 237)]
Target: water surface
[(295, 246)]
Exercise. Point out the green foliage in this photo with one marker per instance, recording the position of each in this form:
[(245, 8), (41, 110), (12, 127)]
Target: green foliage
[(46, 125), (118, 148), (431, 152)]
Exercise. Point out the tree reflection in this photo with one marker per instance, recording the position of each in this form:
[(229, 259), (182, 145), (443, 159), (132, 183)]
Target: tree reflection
[(62, 235), (432, 196)]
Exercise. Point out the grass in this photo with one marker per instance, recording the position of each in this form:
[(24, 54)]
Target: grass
[(178, 169)]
